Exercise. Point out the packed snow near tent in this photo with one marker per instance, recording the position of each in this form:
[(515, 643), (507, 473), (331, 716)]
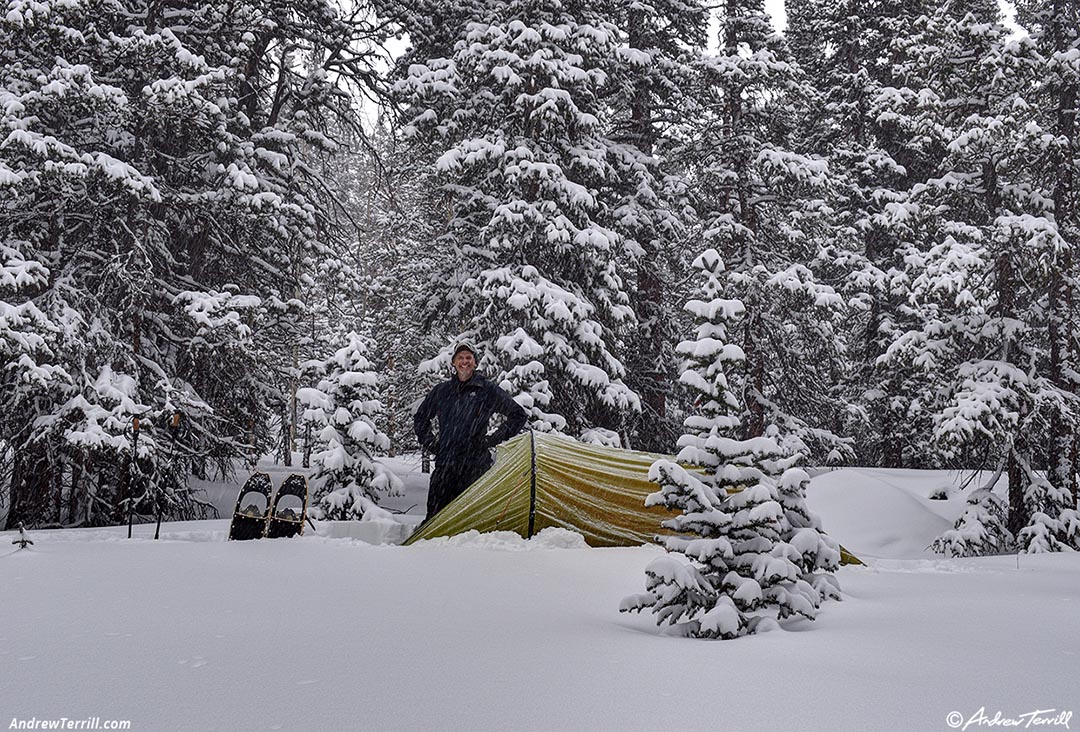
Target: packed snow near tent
[(492, 632)]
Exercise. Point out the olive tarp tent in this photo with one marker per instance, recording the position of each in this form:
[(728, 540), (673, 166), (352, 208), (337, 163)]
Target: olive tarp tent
[(540, 481)]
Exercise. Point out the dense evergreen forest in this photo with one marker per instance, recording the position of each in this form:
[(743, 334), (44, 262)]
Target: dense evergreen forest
[(233, 229)]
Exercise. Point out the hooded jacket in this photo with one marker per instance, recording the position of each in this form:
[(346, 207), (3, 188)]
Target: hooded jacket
[(464, 410)]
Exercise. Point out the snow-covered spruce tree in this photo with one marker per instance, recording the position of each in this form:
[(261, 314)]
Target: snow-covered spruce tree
[(372, 282), (845, 49), (1055, 29), (977, 280), (156, 199), (745, 550), (764, 205), (649, 78), (396, 212), (343, 408), (533, 279)]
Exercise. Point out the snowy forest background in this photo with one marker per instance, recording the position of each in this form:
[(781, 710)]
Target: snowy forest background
[(255, 229)]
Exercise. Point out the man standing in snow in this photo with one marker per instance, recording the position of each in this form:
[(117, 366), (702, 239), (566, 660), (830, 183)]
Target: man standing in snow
[(463, 405)]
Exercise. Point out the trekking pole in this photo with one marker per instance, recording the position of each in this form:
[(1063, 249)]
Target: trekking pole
[(133, 469), (174, 429)]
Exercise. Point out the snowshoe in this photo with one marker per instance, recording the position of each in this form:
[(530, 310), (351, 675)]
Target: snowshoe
[(252, 508), (290, 508)]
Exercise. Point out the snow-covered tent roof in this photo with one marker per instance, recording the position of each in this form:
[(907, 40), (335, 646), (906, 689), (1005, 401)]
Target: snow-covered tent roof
[(540, 481)]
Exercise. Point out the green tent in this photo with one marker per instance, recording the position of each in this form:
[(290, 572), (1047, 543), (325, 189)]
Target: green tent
[(540, 480)]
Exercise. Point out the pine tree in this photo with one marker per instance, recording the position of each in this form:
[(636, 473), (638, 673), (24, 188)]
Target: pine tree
[(975, 283), (1054, 29), (751, 551), (533, 281), (847, 51), (373, 283), (405, 205), (649, 79), (343, 408), (158, 197), (765, 206)]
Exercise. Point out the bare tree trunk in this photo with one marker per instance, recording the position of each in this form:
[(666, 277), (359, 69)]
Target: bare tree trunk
[(1018, 517), (754, 426), (253, 459), (77, 470), (1075, 478), (650, 370), (1006, 291), (391, 422), (32, 501), (286, 434), (290, 431), (57, 488), (1062, 331), (15, 497)]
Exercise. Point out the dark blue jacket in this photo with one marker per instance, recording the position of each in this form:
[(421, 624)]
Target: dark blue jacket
[(463, 410)]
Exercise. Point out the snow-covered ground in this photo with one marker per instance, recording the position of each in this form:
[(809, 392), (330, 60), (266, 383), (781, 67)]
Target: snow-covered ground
[(491, 632)]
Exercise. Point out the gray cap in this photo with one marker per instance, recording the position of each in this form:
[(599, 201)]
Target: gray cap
[(465, 347)]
